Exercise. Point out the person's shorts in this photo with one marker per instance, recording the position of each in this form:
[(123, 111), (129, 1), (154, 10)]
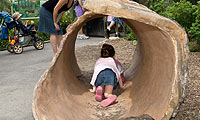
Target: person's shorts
[(79, 11), (46, 23), (106, 77), (120, 21)]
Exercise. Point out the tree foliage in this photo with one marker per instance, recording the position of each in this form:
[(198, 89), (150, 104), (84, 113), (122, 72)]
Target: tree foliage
[(185, 13), (5, 5)]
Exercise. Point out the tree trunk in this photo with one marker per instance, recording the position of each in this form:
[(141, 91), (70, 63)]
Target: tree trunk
[(18, 5), (156, 78)]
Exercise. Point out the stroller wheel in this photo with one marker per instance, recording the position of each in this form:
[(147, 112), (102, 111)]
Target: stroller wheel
[(9, 48), (39, 45), (18, 49)]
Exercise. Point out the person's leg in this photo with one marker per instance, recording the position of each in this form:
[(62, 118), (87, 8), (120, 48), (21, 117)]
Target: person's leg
[(107, 33), (110, 98), (119, 25), (108, 90), (117, 34), (99, 94), (59, 38), (81, 35), (120, 22), (80, 31), (111, 25), (53, 41)]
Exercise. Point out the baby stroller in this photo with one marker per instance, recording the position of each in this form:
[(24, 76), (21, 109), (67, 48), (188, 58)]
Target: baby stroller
[(22, 37)]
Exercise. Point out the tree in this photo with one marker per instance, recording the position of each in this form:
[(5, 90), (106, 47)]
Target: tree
[(5, 6), (18, 5)]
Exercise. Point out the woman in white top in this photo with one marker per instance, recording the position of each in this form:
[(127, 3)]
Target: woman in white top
[(107, 74)]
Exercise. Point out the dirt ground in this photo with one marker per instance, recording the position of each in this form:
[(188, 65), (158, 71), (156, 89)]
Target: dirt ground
[(189, 109)]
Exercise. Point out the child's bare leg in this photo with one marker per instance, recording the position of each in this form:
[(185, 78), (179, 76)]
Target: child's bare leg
[(108, 90), (111, 25)]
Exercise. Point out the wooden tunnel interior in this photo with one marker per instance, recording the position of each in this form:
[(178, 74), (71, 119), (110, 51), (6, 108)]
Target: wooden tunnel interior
[(153, 75)]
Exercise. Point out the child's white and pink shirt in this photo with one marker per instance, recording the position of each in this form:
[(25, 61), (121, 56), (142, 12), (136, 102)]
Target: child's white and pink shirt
[(109, 18), (103, 63)]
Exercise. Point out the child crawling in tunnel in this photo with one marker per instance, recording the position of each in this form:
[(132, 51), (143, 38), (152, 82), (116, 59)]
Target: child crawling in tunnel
[(108, 73)]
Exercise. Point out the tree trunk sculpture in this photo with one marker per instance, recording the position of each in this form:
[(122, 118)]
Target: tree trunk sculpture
[(158, 72)]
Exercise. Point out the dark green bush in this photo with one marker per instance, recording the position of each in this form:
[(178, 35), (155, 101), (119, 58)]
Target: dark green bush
[(194, 30), (5, 6), (129, 34), (182, 12), (185, 13), (159, 6), (3, 44), (194, 47)]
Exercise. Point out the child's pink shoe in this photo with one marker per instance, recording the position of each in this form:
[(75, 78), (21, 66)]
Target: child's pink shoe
[(99, 94), (110, 100)]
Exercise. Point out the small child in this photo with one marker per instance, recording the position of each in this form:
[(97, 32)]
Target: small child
[(107, 74), (25, 29)]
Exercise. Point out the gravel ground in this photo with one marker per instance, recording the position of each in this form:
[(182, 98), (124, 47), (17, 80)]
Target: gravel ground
[(189, 109)]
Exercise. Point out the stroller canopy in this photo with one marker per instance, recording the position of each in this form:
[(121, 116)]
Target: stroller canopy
[(7, 19), (5, 16)]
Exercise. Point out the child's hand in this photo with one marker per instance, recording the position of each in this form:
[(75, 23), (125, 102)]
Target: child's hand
[(126, 85), (26, 23), (123, 87), (91, 90)]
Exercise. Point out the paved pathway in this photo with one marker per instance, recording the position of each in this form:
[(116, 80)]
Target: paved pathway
[(18, 76)]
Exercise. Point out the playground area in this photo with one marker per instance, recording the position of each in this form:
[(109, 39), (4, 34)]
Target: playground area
[(162, 75), (17, 104)]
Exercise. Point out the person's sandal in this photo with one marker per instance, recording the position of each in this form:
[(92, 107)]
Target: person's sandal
[(110, 100), (99, 94)]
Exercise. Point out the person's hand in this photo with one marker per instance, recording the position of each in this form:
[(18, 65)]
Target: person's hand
[(26, 23), (57, 26), (83, 9), (92, 90)]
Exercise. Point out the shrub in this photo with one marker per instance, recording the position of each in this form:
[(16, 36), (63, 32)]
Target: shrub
[(186, 14), (5, 6), (194, 47), (159, 6), (3, 44), (194, 30), (129, 34), (66, 20), (182, 12)]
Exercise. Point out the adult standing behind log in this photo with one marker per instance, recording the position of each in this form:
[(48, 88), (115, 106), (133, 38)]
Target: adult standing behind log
[(80, 10), (50, 14)]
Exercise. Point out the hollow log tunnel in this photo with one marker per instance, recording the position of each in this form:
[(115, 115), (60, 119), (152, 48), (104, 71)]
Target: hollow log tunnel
[(158, 73)]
